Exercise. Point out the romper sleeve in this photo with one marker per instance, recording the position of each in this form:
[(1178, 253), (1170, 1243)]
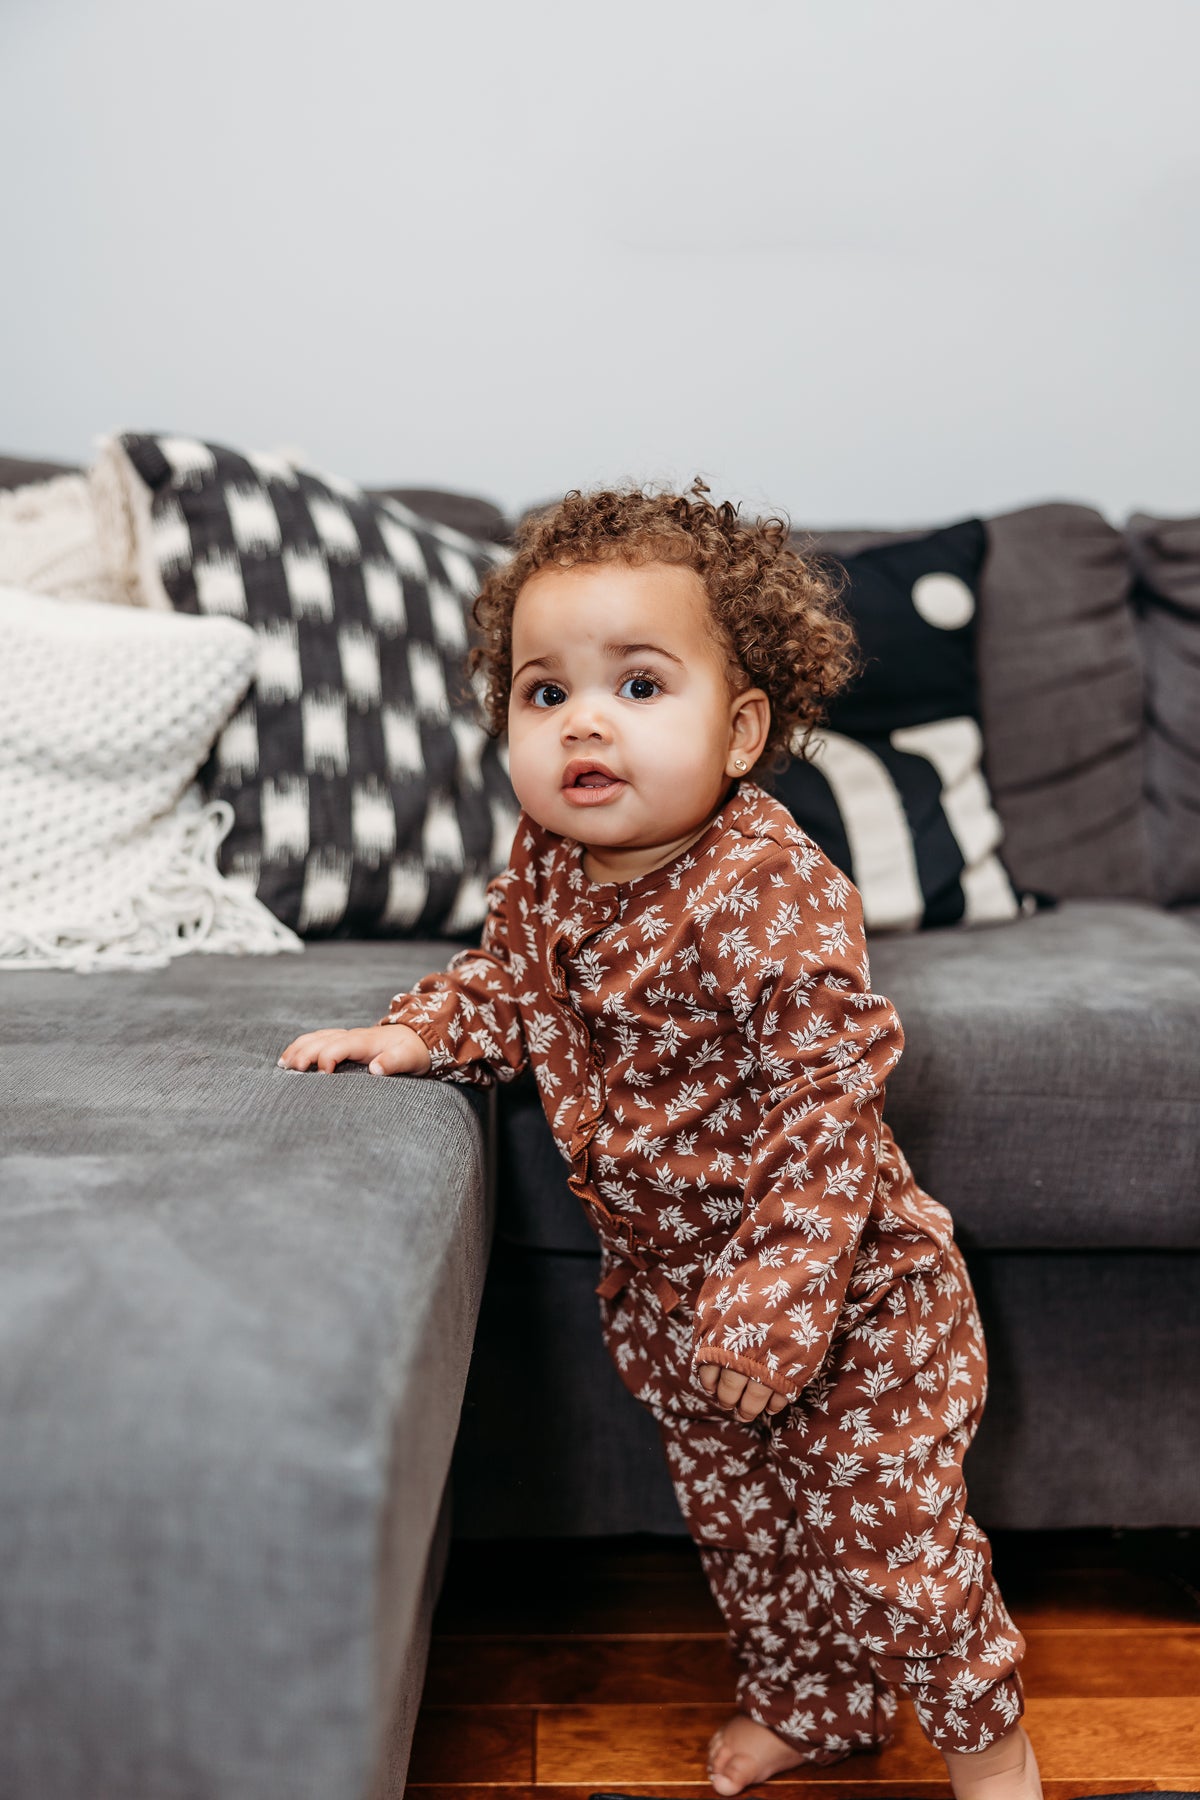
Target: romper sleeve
[(469, 1014), (797, 975)]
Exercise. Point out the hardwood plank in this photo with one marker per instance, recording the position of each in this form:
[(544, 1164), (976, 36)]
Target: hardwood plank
[(1104, 1742), (592, 1670), (613, 1746), (604, 1670), (1155, 1740), (1112, 1664), (561, 1669), (473, 1743)]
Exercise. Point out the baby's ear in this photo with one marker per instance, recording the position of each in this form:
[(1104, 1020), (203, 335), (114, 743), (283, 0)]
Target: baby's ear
[(750, 726)]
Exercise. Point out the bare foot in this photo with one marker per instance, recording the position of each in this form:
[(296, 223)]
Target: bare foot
[(743, 1753), (1006, 1770)]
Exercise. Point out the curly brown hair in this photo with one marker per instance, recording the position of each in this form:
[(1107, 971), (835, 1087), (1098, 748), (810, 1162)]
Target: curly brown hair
[(779, 614)]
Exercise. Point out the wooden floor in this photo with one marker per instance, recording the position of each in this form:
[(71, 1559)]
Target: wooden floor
[(562, 1668)]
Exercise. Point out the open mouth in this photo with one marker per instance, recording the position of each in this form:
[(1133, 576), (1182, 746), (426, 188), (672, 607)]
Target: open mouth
[(587, 783)]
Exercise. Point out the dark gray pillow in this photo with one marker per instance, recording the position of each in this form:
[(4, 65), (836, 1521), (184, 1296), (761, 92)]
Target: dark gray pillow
[(467, 513), (1166, 558), (23, 471)]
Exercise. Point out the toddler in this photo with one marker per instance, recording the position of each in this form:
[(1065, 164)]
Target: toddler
[(686, 973)]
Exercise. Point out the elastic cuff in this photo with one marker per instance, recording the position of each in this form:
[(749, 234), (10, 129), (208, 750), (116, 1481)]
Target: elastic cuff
[(962, 1717), (823, 1731), (441, 1057), (743, 1365)]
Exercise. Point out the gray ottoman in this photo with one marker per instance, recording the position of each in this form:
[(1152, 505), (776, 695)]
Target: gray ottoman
[(236, 1313)]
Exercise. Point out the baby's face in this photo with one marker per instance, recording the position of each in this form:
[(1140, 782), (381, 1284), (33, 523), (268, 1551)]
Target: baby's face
[(623, 730)]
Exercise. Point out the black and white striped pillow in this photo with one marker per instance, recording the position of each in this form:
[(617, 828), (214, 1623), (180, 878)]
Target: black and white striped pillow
[(368, 799), (895, 791)]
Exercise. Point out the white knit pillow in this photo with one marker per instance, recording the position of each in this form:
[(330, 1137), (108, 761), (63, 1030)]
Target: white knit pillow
[(107, 851), (51, 541)]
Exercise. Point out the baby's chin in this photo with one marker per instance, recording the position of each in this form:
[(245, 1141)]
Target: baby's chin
[(601, 828)]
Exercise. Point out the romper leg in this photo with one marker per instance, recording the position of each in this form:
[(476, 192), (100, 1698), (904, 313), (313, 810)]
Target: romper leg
[(803, 1675), (873, 1453)]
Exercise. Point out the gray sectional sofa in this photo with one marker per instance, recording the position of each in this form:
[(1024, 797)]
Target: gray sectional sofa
[(261, 1334)]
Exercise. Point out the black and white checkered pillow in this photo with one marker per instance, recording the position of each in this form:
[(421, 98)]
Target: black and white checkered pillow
[(896, 794), (367, 797)]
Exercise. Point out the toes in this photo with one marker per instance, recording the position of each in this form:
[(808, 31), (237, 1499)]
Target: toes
[(735, 1773)]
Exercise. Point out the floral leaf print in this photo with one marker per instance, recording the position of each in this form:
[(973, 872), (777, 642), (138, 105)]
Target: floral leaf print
[(737, 947), (932, 1496), (667, 1039), (806, 1330), (674, 1220), (721, 1209), (652, 924), (541, 1030), (846, 1469), (812, 1222), (644, 1142), (687, 1100), (740, 899)]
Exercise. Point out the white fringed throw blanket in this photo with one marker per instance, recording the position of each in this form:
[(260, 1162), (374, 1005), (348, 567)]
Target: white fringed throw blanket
[(107, 849)]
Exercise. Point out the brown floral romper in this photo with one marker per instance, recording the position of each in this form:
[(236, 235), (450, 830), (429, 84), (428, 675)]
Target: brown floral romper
[(712, 1062)]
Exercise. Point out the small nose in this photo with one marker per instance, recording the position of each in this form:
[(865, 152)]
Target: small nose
[(583, 719)]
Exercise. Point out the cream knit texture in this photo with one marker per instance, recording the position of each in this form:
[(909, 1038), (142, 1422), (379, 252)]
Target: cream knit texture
[(51, 542), (107, 849)]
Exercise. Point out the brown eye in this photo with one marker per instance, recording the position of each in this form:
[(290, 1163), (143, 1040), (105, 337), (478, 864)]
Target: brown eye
[(547, 693), (638, 687)]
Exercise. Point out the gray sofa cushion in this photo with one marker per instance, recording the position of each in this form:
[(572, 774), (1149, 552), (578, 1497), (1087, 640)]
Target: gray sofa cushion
[(1166, 555), (1061, 695), (236, 1312), (1092, 1419), (1048, 1094)]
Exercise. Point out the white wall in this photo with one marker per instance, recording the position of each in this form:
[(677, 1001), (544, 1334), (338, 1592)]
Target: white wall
[(868, 260)]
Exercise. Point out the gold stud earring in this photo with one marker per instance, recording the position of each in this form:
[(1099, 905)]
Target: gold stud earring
[(739, 764)]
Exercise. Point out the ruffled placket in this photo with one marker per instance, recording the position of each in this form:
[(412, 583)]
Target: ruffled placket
[(587, 910)]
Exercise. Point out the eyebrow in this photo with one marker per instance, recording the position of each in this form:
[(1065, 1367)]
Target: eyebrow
[(633, 649), (554, 662)]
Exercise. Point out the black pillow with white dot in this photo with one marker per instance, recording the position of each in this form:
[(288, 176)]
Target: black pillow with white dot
[(894, 789)]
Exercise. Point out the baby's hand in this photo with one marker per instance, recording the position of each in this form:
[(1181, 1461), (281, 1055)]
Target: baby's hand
[(386, 1049), (737, 1393)]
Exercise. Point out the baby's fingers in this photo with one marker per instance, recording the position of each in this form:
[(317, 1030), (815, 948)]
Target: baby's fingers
[(302, 1050), (737, 1393), (317, 1049)]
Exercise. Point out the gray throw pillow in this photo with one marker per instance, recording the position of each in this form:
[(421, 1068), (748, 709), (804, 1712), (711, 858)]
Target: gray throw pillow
[(1166, 557)]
